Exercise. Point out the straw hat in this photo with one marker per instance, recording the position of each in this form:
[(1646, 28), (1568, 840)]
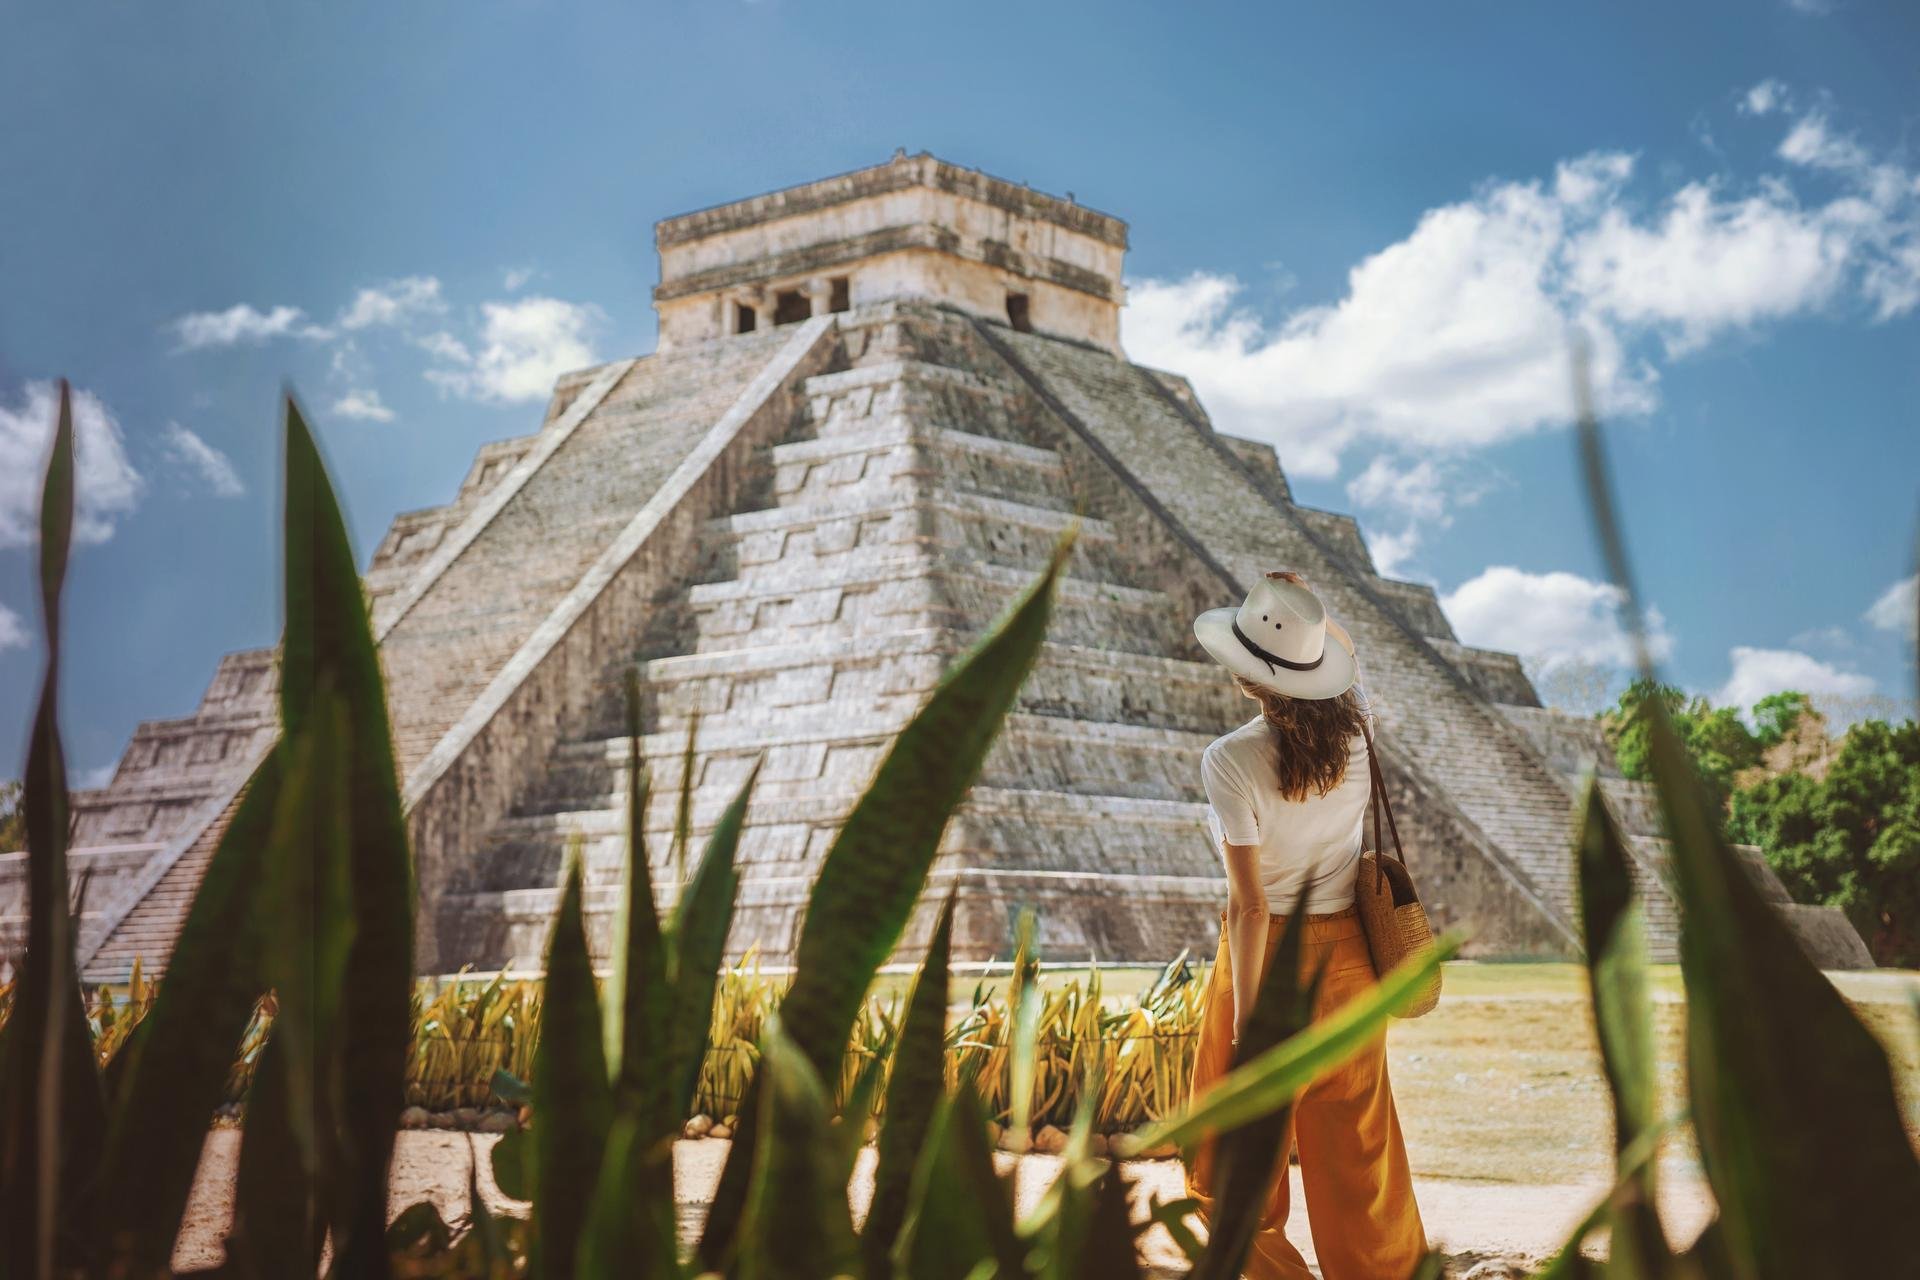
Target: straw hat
[(1278, 639)]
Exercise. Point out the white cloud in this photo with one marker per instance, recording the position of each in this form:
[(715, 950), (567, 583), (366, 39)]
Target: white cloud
[(13, 632), (446, 347), (1895, 609), (393, 303), (514, 277), (1812, 8), (1392, 552), (1708, 265), (525, 345), (243, 323), (1456, 337), (1413, 490), (1764, 98), (107, 485), (364, 405), (1552, 619), (1759, 672), (213, 467)]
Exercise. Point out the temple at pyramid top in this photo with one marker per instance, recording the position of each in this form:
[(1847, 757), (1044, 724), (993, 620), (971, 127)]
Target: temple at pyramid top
[(915, 227)]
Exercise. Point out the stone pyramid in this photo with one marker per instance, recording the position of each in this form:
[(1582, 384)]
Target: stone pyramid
[(878, 399)]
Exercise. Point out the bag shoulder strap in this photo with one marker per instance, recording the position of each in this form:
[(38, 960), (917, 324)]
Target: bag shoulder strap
[(1379, 799)]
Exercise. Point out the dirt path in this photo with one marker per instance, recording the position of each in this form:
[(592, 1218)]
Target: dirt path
[(1470, 1221)]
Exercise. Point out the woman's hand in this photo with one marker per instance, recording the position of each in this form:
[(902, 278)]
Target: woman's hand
[(1246, 930)]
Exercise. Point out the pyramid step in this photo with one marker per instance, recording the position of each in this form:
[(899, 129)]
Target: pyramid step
[(904, 452)]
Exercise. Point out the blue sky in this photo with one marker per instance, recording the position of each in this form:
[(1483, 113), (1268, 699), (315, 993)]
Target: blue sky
[(1365, 230)]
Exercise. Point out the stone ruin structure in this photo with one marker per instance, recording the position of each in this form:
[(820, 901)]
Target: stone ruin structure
[(877, 401)]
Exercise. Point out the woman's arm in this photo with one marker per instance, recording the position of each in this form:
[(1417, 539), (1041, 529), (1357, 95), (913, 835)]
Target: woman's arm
[(1246, 929)]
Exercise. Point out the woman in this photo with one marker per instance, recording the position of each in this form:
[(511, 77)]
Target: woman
[(1286, 794)]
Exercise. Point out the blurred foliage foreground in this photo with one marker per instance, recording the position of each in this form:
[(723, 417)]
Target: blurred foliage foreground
[(309, 896)]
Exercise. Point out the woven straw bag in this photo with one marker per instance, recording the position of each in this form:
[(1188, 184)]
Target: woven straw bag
[(1390, 911)]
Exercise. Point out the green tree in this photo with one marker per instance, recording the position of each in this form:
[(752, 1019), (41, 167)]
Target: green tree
[(1850, 839), (1720, 743), (13, 817)]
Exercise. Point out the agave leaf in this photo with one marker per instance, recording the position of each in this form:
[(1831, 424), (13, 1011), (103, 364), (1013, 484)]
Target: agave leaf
[(1108, 1252), (572, 1099), (1270, 1080), (797, 1224), (277, 1225), (850, 1127), (54, 1109), (1024, 1001), (629, 1230), (328, 644), (959, 1212), (512, 1161), (1247, 1160), (638, 999), (1803, 1190), (683, 807), (174, 1068), (1614, 931), (697, 945), (1173, 1215), (914, 1089), (878, 864)]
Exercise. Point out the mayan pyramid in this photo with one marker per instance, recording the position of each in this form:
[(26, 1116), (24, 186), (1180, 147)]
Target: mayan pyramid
[(877, 401)]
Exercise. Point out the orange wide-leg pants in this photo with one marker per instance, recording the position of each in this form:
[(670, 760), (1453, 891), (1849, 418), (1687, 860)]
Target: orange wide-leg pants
[(1353, 1164)]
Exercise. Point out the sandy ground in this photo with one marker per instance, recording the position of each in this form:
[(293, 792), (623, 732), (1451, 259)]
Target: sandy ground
[(1470, 1221)]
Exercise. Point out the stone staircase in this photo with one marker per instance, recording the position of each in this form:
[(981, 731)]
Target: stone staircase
[(891, 527)]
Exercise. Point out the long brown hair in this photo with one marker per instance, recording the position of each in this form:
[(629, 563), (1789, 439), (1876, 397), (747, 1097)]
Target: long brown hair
[(1315, 737)]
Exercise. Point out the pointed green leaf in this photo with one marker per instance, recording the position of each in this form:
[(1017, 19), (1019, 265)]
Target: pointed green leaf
[(1247, 1160), (1792, 1098), (175, 1066), (698, 944), (1803, 1189), (53, 1113), (914, 1089), (1109, 1253), (278, 1227), (1024, 1000), (639, 997), (877, 866), (630, 1228), (797, 1225), (572, 1099), (1614, 932), (328, 642), (959, 1212)]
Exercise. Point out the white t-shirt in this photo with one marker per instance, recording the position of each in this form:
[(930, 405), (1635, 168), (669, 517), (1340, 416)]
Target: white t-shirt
[(1312, 844)]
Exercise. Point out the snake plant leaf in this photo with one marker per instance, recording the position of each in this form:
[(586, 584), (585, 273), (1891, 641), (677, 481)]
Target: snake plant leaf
[(1613, 929), (175, 1065), (328, 643), (1108, 1252), (697, 944), (1271, 1079), (512, 1162), (959, 1212), (683, 806), (1023, 999), (637, 1002), (1247, 1160), (53, 1116), (278, 1228), (877, 866), (915, 1086), (572, 1098), (629, 1229), (1792, 1098), (797, 1224), (1803, 1189)]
